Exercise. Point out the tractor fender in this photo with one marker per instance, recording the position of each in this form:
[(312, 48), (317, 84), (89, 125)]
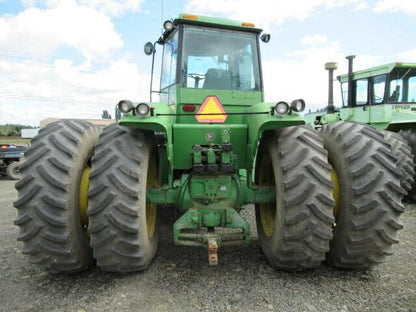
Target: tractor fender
[(260, 120), (159, 121)]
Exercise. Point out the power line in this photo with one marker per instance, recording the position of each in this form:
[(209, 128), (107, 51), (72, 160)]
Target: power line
[(33, 98), (23, 55), (52, 66), (51, 99), (162, 14)]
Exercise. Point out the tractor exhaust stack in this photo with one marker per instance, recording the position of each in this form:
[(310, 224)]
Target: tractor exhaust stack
[(350, 74), (330, 67)]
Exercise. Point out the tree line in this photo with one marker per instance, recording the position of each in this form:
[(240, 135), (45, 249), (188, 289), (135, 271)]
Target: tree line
[(12, 130)]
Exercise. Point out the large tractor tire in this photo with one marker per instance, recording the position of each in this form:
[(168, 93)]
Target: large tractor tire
[(368, 198), (13, 170), (403, 153), (410, 136), (294, 231), (123, 227), (52, 196)]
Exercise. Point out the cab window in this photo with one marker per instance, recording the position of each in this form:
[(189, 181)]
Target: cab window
[(412, 90), (395, 91), (170, 57), (402, 85), (361, 92), (220, 59), (379, 87), (344, 90)]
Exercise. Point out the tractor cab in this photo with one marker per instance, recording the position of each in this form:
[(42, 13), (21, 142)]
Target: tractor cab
[(202, 54), (382, 96)]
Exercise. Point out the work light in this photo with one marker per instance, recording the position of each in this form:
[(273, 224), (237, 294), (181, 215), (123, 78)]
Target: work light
[(298, 105), (125, 106), (142, 109), (282, 108), (168, 25)]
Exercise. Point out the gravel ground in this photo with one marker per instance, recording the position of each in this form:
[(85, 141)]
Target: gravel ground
[(181, 280)]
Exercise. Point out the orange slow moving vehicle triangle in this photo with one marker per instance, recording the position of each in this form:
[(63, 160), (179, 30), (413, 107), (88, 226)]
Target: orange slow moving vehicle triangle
[(211, 111)]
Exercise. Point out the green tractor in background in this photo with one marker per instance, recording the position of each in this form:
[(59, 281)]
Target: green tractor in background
[(385, 98), (209, 147)]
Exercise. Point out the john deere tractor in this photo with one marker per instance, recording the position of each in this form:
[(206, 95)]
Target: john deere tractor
[(209, 146), (385, 98)]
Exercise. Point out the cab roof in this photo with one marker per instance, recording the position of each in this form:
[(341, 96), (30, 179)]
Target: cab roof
[(375, 71), (215, 21)]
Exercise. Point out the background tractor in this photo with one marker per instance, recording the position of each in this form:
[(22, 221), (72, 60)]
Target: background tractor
[(385, 98), (209, 147)]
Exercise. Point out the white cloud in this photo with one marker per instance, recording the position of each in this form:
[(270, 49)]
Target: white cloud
[(29, 3), (108, 7), (301, 73), (43, 32), (268, 12), (408, 55), (314, 40), (35, 91), (389, 6), (36, 83), (114, 7)]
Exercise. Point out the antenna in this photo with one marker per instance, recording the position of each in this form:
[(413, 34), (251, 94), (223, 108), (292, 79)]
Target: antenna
[(162, 13)]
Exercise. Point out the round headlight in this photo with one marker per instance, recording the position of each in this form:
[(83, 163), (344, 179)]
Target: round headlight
[(125, 106), (282, 108), (298, 105), (149, 48), (168, 25), (142, 109)]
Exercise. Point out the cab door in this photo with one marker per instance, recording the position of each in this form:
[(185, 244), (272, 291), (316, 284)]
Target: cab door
[(377, 99), (361, 100)]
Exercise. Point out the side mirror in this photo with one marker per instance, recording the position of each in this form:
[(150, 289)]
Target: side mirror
[(265, 38), (148, 48)]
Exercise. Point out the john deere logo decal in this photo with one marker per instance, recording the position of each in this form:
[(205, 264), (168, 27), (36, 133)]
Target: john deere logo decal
[(211, 111), (210, 136)]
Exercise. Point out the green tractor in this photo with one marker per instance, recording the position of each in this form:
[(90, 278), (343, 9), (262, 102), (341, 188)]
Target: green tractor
[(385, 98), (209, 147)]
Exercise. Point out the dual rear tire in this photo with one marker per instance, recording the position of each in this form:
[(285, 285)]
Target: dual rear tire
[(55, 225), (306, 226)]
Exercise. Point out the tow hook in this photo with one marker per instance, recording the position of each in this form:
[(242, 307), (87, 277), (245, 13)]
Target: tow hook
[(212, 251)]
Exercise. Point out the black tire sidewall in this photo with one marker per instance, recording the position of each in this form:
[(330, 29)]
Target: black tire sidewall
[(120, 167), (370, 195), (303, 204), (81, 158), (271, 244), (409, 135), (337, 158), (149, 245), (50, 220)]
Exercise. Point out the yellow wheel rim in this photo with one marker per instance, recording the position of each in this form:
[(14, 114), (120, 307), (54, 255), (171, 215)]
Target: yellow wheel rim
[(151, 209), (267, 211), (335, 193), (83, 196)]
